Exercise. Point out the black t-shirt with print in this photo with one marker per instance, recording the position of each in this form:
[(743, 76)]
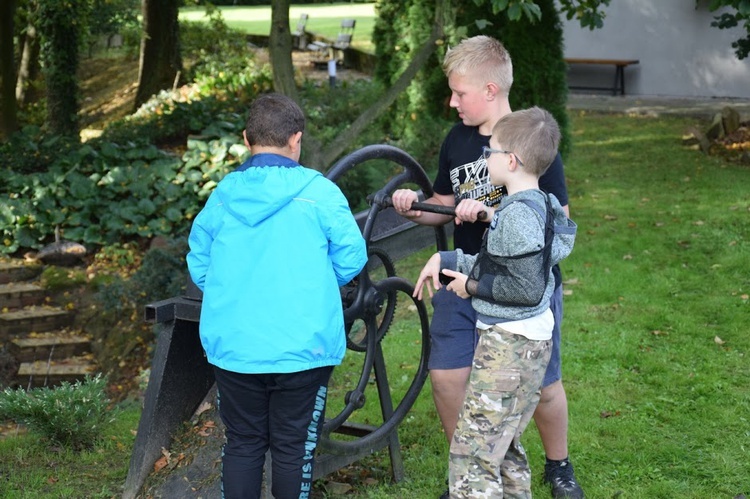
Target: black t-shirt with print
[(463, 173)]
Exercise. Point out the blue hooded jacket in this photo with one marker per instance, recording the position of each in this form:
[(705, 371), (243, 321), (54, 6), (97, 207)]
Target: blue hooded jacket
[(269, 250)]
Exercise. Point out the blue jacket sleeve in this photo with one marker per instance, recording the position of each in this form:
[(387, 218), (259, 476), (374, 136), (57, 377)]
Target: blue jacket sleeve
[(346, 246), (200, 240)]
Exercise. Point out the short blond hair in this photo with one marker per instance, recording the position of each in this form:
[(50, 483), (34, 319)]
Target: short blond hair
[(531, 134), (481, 57)]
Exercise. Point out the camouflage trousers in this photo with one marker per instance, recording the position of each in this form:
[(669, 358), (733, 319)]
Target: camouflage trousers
[(487, 459)]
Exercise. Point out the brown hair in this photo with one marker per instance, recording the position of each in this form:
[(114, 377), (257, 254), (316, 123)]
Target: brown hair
[(272, 119), (532, 135)]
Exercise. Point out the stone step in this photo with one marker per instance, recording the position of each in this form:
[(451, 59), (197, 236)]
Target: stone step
[(42, 373), (20, 294), (16, 270), (49, 346), (32, 320)]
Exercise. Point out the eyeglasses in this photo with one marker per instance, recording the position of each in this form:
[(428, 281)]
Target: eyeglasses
[(488, 151)]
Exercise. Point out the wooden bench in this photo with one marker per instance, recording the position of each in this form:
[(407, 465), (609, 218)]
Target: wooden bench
[(619, 64), (299, 35)]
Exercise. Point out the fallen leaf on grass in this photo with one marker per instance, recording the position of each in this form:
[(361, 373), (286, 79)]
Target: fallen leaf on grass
[(160, 463), (718, 340), (656, 332)]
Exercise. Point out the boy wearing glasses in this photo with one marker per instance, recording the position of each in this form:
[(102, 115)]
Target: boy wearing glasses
[(510, 283), (480, 76)]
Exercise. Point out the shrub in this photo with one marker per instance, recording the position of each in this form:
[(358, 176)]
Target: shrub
[(72, 415)]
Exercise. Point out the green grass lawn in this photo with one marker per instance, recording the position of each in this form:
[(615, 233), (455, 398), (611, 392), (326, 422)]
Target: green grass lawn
[(325, 19), (655, 340), (655, 336)]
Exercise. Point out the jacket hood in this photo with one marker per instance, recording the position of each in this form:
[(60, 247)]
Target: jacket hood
[(262, 186)]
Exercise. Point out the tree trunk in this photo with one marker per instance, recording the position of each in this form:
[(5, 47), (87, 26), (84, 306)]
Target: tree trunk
[(161, 63), (280, 50), (28, 69), (60, 52), (7, 68)]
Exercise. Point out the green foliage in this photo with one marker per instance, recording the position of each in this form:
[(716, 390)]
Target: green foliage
[(399, 31), (112, 193), (72, 415), (159, 275), (31, 468), (330, 113), (55, 278), (32, 150), (108, 17), (586, 11), (222, 66), (740, 14), (121, 187)]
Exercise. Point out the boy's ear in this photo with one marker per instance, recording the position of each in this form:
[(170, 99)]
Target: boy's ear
[(244, 136), (491, 90), (295, 141)]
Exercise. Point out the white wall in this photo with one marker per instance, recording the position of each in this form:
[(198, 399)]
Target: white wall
[(680, 53)]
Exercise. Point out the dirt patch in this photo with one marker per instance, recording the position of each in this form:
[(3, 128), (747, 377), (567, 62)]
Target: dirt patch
[(108, 86)]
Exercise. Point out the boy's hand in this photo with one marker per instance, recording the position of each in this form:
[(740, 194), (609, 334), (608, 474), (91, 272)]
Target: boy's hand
[(429, 276), (458, 284), (468, 210), (402, 200)]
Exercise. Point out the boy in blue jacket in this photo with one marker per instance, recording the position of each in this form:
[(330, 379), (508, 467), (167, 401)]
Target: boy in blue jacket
[(269, 250)]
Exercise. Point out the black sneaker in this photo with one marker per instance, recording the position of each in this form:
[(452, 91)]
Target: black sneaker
[(446, 495), (562, 479)]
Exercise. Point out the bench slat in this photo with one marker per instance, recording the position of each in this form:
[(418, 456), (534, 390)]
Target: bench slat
[(612, 62)]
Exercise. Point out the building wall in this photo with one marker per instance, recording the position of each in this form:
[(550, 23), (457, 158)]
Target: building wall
[(680, 53)]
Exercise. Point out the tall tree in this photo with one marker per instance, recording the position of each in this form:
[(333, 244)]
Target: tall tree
[(161, 62), (280, 50), (28, 68), (61, 25), (7, 67)]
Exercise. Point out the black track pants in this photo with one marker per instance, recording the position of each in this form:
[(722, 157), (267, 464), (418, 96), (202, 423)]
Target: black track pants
[(283, 412)]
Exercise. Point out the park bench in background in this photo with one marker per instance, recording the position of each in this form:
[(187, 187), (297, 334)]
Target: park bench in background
[(619, 64), (335, 50), (299, 35)]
